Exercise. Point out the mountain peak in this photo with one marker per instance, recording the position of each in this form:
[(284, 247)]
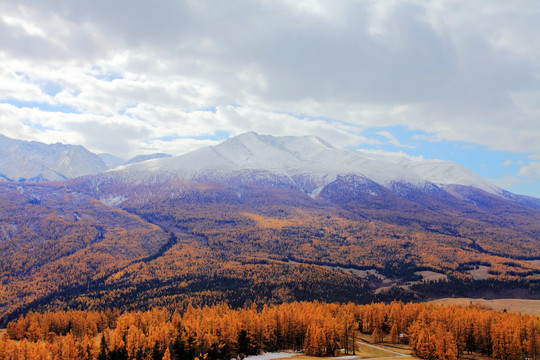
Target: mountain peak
[(299, 146), (266, 152), (282, 140), (305, 160), (35, 161)]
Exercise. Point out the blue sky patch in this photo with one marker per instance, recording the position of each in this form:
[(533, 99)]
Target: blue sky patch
[(495, 165), (37, 126), (51, 88), (217, 136), (104, 75)]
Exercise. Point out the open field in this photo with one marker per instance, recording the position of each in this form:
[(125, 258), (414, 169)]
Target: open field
[(352, 357), (482, 273), (426, 277), (366, 351), (360, 273), (365, 339), (272, 356), (531, 307), (431, 275)]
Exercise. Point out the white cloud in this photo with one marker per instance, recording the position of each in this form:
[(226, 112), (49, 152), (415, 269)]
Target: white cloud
[(531, 170), (393, 154), (392, 139), (509, 182), (136, 71)]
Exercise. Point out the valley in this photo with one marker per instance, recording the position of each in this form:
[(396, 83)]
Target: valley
[(268, 180), (252, 243), (173, 234)]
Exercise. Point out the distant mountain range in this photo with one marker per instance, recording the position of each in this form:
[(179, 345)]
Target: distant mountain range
[(307, 162), (34, 161)]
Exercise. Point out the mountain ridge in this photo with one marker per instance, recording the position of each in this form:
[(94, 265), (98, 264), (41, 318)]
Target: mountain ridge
[(35, 161), (306, 156), (307, 162)]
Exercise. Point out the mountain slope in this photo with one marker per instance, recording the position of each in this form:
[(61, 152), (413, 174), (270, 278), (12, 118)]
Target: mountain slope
[(34, 161), (52, 239), (263, 219), (308, 163), (111, 161)]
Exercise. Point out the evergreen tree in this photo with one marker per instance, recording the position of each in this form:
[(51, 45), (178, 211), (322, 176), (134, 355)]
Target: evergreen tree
[(103, 350)]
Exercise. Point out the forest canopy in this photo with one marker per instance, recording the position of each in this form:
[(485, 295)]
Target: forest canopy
[(319, 329)]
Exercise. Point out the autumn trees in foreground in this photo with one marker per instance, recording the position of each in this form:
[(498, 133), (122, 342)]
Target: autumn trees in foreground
[(220, 332)]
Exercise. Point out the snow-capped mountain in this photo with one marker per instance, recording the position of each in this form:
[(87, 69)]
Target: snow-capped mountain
[(307, 162), (35, 161)]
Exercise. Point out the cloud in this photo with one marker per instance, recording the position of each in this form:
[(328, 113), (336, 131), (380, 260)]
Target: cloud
[(393, 154), (532, 170), (150, 128), (392, 139), (509, 182), (457, 70)]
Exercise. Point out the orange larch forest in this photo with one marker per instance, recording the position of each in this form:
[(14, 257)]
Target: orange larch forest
[(319, 329)]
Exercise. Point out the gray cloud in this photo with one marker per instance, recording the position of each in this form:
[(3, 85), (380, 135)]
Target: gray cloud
[(460, 70)]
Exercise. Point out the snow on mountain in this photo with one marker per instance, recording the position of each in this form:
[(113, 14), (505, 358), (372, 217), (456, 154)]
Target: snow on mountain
[(111, 161), (304, 157), (141, 158), (35, 161)]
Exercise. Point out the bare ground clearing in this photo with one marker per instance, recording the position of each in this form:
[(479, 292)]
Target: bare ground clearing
[(481, 273), (523, 306)]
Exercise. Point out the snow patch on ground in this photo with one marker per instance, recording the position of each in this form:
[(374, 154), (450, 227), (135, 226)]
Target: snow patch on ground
[(271, 356), (113, 200)]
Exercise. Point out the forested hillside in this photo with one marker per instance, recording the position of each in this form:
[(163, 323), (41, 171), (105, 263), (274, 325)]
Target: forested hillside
[(99, 243), (54, 240)]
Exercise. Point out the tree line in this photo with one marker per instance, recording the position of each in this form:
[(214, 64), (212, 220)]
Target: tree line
[(319, 329)]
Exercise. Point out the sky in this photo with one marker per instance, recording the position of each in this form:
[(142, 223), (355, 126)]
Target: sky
[(446, 79)]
